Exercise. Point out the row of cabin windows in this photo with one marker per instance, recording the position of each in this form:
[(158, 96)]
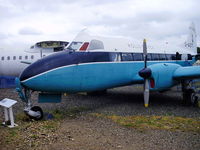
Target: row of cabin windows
[(15, 57), (150, 56)]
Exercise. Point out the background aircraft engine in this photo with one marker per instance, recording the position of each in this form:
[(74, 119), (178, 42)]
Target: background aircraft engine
[(162, 76)]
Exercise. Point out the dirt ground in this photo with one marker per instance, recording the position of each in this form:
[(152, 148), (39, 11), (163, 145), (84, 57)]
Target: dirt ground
[(100, 134), (88, 132)]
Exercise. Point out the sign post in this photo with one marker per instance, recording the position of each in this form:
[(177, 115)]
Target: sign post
[(8, 112)]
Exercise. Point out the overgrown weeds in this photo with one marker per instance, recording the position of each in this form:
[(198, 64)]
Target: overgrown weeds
[(156, 122)]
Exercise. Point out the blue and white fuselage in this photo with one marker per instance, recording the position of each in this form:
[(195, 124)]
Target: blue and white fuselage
[(92, 71)]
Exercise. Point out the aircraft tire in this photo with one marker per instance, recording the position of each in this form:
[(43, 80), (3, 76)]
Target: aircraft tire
[(196, 101), (36, 108), (188, 97)]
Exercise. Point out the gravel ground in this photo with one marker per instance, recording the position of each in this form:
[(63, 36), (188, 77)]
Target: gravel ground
[(89, 132)]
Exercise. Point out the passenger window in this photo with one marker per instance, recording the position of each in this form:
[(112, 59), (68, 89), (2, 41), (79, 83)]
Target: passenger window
[(26, 57), (149, 56), (155, 56), (168, 57), (32, 56), (119, 57), (2, 58), (127, 57), (20, 57), (14, 57), (137, 56), (173, 56), (100, 56), (8, 58), (113, 56), (162, 56)]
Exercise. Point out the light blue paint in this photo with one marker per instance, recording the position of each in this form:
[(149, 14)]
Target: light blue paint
[(92, 76), (187, 72), (163, 75)]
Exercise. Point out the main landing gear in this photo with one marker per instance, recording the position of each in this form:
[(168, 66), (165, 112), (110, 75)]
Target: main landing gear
[(190, 95), (34, 112)]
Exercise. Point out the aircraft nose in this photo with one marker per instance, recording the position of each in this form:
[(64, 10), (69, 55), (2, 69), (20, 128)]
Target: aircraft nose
[(27, 73), (48, 63), (38, 67)]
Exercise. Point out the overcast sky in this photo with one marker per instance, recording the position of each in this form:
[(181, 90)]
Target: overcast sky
[(24, 22)]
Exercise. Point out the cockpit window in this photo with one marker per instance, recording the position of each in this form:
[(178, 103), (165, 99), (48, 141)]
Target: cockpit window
[(96, 44), (74, 45)]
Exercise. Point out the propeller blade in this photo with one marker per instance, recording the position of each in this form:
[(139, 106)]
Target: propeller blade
[(147, 73), (146, 93), (145, 52)]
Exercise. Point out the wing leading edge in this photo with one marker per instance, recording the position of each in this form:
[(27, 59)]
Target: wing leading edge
[(190, 72)]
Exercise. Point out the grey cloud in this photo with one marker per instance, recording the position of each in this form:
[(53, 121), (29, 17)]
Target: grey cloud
[(3, 36), (29, 31), (20, 8), (115, 16)]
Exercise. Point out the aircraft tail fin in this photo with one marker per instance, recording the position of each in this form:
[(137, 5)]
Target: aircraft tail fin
[(191, 42)]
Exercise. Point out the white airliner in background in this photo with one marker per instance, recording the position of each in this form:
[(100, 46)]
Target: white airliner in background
[(84, 41), (12, 63)]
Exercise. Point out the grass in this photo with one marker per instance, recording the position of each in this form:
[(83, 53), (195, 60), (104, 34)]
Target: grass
[(69, 113), (156, 122), (27, 133), (31, 134)]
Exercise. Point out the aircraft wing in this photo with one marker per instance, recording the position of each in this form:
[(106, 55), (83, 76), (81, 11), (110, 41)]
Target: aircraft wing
[(190, 72)]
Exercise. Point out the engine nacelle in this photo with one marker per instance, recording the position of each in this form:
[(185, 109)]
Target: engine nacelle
[(162, 76)]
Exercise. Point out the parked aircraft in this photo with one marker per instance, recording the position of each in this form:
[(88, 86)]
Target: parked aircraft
[(85, 41), (99, 69), (14, 62)]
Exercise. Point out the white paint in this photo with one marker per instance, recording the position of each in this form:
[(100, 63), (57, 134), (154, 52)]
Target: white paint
[(8, 112), (11, 64), (119, 44)]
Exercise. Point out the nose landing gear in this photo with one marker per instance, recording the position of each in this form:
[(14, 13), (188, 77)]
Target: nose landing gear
[(34, 112)]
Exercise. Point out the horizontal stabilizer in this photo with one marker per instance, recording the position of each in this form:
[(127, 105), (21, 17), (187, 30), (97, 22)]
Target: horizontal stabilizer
[(191, 72)]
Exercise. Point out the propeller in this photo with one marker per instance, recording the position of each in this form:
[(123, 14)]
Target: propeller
[(146, 74)]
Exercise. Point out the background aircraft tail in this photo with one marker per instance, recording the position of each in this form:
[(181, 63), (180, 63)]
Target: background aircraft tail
[(191, 42)]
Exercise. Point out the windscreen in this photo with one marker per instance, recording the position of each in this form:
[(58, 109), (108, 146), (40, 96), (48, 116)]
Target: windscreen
[(74, 45)]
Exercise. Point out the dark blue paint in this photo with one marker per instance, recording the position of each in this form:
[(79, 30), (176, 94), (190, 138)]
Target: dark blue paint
[(60, 59)]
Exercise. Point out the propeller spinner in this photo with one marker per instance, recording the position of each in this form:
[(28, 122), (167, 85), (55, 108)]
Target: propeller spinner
[(146, 74)]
